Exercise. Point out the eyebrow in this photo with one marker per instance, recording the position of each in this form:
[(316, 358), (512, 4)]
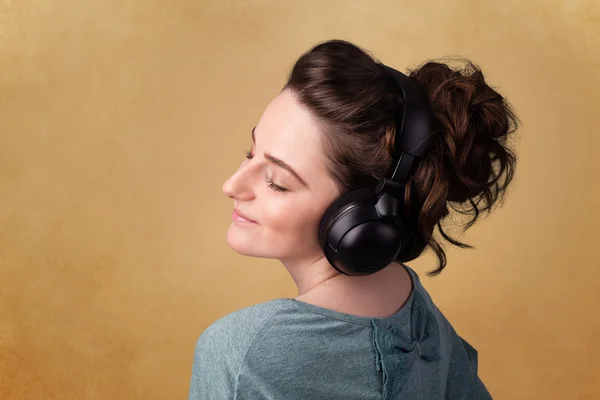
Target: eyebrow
[(280, 162)]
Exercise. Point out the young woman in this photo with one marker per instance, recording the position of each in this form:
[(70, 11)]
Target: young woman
[(352, 166)]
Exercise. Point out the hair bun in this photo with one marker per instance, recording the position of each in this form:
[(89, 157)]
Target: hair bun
[(473, 125)]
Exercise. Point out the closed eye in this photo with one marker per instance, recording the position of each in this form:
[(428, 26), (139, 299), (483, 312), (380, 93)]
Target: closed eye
[(280, 163), (270, 183)]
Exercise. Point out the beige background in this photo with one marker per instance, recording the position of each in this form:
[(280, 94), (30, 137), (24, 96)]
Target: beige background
[(119, 121)]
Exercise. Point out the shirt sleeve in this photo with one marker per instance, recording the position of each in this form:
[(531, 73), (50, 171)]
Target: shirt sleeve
[(212, 376), (463, 380), (480, 392), (220, 352)]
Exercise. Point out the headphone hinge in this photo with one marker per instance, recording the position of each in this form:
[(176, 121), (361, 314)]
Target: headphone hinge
[(396, 189)]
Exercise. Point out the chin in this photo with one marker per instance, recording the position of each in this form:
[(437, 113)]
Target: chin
[(251, 243), (243, 242)]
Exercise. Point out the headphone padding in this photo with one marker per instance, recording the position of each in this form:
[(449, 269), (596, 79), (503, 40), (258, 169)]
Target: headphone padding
[(362, 195)]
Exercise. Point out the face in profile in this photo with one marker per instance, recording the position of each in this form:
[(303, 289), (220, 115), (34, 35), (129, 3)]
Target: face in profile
[(282, 189)]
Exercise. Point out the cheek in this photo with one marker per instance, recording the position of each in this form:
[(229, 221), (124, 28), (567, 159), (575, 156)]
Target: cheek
[(292, 218)]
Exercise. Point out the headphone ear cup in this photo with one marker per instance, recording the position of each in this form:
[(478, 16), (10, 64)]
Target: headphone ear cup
[(342, 203), (354, 239), (415, 245)]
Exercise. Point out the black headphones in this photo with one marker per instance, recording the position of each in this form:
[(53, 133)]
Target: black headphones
[(365, 230)]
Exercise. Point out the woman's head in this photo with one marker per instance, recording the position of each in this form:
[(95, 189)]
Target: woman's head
[(335, 121), (283, 185)]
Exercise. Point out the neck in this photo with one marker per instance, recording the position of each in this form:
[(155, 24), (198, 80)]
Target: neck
[(310, 274), (317, 276)]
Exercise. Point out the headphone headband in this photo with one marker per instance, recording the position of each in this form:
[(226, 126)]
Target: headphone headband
[(417, 117), (413, 132)]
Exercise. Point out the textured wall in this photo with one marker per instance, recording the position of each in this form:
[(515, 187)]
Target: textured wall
[(119, 121)]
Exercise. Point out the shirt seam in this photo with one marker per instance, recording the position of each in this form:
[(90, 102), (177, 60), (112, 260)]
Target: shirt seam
[(237, 375)]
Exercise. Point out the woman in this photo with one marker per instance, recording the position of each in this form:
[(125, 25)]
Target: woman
[(362, 326)]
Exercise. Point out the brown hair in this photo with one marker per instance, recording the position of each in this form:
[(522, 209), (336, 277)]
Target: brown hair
[(469, 166)]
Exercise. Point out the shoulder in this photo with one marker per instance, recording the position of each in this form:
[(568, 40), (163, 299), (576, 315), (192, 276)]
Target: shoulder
[(221, 348), (270, 350), (242, 323), (233, 333)]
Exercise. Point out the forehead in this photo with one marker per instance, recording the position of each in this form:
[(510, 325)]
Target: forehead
[(287, 131)]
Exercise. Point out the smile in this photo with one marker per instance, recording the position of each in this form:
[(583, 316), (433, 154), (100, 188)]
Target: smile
[(239, 218)]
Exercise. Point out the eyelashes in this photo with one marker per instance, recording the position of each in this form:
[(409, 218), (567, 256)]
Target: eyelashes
[(270, 183), (275, 187)]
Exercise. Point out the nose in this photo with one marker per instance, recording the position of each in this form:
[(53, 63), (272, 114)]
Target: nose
[(239, 185)]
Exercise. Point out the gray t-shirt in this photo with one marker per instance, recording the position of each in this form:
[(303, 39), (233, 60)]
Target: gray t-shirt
[(286, 349)]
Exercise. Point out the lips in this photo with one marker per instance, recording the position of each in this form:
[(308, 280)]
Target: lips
[(242, 215)]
